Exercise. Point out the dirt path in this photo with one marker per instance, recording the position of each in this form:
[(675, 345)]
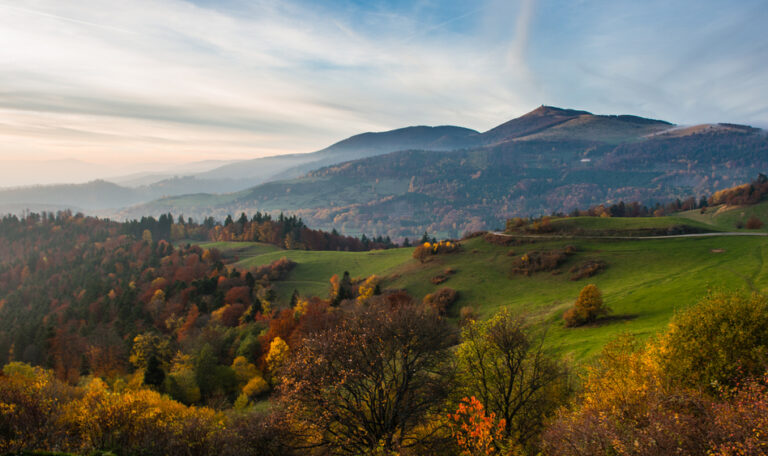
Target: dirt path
[(668, 236)]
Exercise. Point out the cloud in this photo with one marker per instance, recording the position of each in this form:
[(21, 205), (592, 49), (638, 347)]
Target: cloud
[(103, 80)]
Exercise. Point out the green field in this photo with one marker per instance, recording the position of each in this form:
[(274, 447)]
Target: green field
[(314, 269), (628, 224), (726, 218), (645, 282)]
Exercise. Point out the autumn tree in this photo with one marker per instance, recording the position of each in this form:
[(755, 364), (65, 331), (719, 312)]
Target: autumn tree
[(441, 300), (588, 307), (721, 340), (475, 431), (628, 408), (422, 252), (371, 381), (699, 388), (503, 364)]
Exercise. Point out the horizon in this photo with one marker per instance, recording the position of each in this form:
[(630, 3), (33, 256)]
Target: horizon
[(131, 88)]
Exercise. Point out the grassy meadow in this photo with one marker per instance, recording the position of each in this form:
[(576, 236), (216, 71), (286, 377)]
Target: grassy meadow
[(645, 282)]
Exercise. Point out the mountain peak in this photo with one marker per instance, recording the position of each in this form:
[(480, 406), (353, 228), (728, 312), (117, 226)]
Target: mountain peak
[(535, 121), (546, 111)]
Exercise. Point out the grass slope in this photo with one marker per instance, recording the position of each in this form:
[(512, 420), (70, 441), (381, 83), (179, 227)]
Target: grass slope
[(629, 224), (314, 269), (726, 218), (645, 283)]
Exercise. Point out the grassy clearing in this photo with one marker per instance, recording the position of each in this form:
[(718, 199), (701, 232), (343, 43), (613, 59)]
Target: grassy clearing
[(311, 275), (726, 218), (645, 282), (607, 224)]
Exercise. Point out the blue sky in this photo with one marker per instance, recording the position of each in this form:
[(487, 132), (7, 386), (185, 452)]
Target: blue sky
[(160, 81)]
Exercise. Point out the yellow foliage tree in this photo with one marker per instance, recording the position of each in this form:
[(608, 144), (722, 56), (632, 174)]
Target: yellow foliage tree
[(244, 371), (278, 352), (367, 288), (588, 307), (255, 387)]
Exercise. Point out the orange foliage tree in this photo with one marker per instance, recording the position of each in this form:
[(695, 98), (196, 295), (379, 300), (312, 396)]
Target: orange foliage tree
[(476, 432)]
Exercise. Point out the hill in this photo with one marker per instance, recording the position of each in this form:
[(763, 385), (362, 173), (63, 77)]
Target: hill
[(643, 298), (557, 123), (355, 147), (232, 177), (448, 180), (404, 193)]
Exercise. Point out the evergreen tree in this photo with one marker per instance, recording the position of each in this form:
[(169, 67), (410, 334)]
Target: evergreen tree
[(153, 374)]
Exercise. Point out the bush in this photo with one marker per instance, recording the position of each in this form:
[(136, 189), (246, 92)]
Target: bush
[(719, 341), (467, 314), (588, 307), (536, 261), (586, 269), (438, 279), (754, 223), (441, 300)]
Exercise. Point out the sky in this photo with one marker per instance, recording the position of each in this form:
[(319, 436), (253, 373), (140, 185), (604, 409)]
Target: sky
[(128, 86)]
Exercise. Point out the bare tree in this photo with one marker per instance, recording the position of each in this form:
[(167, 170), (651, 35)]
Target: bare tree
[(372, 381)]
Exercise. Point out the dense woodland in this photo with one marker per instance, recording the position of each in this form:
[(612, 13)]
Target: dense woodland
[(114, 339), (404, 193)]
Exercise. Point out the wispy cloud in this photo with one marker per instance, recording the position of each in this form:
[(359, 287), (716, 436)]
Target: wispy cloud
[(161, 80)]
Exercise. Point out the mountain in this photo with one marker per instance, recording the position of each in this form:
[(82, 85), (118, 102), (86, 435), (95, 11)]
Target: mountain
[(358, 146), (549, 160), (547, 122), (207, 177), (93, 195)]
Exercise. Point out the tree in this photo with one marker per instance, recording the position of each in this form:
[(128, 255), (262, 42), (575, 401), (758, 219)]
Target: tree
[(504, 365), (371, 381), (721, 340), (154, 374), (147, 346), (278, 352), (422, 252), (588, 307), (476, 432)]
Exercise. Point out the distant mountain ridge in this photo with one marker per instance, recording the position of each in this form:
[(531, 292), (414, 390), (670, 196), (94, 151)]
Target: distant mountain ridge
[(548, 160), (451, 179), (353, 148)]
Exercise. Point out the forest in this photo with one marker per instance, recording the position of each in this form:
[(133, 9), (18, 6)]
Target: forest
[(132, 339)]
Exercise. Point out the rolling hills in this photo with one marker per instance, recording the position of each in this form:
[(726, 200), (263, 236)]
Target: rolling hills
[(550, 160), (447, 180), (645, 281)]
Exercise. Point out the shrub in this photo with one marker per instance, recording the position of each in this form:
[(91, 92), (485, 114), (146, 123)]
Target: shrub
[(586, 269), (754, 223), (441, 300), (467, 314), (588, 307), (421, 253), (536, 261), (700, 388), (720, 340), (438, 279)]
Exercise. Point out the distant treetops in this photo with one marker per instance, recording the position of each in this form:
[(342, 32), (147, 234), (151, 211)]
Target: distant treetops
[(423, 251), (740, 195)]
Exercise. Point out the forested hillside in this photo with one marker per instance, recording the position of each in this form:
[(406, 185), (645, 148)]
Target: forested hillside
[(549, 161), (143, 338)]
